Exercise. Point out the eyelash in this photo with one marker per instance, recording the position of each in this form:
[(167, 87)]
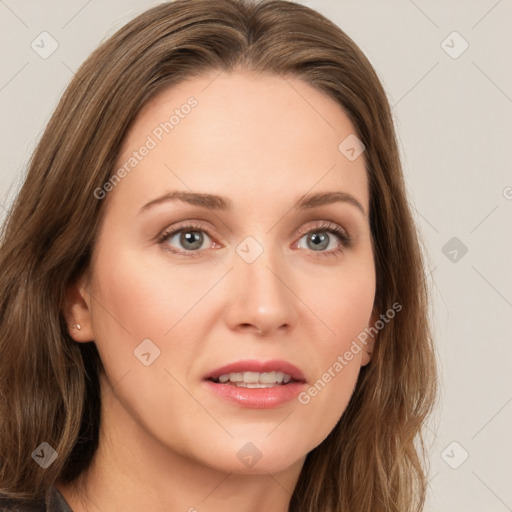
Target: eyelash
[(325, 227)]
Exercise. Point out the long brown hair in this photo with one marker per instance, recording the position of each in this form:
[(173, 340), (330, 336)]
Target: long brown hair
[(49, 389)]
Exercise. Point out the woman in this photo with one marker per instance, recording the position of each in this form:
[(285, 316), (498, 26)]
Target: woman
[(212, 288)]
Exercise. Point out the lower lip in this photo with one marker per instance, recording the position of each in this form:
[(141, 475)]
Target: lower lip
[(257, 398)]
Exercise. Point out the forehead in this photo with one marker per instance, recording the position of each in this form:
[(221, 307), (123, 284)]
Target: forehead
[(255, 135)]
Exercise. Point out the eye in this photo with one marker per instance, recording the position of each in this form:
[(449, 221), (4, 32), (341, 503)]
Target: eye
[(323, 236), (189, 238)]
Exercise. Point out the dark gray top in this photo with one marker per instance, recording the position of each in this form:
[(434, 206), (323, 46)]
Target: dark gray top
[(56, 503)]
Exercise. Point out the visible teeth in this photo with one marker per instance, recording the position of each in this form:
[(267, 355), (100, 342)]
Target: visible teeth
[(255, 379), (251, 377), (268, 378)]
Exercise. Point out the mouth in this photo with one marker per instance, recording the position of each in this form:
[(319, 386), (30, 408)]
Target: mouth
[(256, 384)]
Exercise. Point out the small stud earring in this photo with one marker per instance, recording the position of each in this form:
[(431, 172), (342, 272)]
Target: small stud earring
[(78, 326)]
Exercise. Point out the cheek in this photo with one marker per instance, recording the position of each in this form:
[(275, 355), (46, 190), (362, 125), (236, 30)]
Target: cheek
[(343, 302), (133, 302), (140, 299), (345, 305), (136, 300)]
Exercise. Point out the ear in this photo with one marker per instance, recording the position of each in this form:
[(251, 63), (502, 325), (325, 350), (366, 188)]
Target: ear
[(370, 340), (77, 310)]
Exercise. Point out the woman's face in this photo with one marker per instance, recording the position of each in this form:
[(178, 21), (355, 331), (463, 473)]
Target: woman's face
[(242, 281)]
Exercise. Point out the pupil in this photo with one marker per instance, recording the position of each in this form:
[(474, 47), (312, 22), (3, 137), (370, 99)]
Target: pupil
[(193, 238), (320, 241)]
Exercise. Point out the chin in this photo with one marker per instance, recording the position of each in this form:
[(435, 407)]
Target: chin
[(258, 456)]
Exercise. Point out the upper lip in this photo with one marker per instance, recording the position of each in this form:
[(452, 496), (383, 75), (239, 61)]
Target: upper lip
[(254, 365)]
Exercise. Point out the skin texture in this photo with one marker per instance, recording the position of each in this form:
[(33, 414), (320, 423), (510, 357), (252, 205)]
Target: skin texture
[(166, 442)]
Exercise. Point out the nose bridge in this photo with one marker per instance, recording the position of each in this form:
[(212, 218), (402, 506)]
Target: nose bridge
[(260, 287)]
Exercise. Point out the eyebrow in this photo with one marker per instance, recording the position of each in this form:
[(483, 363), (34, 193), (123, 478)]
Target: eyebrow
[(215, 202)]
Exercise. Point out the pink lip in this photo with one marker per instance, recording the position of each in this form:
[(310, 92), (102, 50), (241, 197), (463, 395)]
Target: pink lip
[(257, 398), (253, 365)]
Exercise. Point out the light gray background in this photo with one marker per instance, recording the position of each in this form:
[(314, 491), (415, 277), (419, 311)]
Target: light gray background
[(453, 117)]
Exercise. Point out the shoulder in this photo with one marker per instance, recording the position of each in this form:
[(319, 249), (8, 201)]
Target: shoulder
[(13, 505), (57, 503)]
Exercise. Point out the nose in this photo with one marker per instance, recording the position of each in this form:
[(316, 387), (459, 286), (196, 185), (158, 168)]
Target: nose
[(261, 297)]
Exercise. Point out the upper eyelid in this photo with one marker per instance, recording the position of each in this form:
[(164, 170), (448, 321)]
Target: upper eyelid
[(323, 224)]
